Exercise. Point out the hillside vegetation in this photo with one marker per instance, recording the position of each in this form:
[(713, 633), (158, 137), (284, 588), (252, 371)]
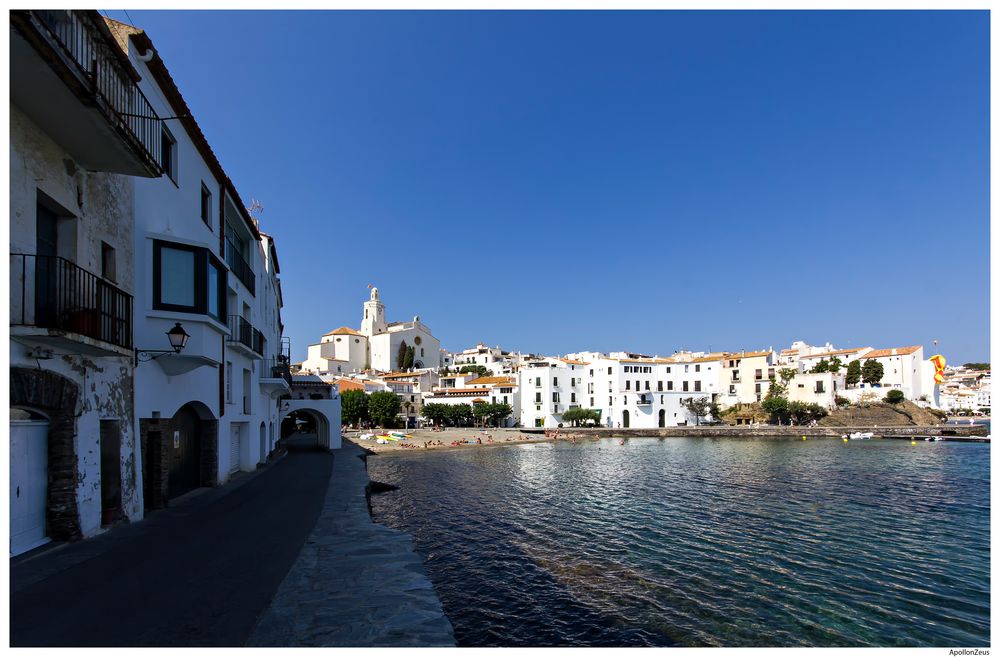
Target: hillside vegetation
[(903, 414)]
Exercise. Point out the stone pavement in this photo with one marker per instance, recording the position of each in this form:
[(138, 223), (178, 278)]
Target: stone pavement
[(355, 583)]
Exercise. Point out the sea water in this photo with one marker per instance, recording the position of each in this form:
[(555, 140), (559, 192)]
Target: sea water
[(702, 541)]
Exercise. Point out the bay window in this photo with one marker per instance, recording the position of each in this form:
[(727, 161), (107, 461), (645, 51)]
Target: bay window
[(188, 279)]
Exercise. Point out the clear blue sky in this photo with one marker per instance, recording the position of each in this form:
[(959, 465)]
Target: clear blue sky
[(648, 181)]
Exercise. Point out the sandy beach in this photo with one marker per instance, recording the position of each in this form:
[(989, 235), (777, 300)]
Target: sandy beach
[(424, 440)]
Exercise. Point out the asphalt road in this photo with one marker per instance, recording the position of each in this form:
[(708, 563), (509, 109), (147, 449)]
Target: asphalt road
[(198, 574)]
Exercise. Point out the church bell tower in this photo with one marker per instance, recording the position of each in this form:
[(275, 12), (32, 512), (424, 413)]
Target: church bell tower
[(374, 320)]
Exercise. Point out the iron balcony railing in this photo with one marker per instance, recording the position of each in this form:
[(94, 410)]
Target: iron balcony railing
[(243, 332), (53, 293), (87, 47), (277, 368), (239, 266)]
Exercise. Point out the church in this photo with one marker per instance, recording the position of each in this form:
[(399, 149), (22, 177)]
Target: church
[(377, 346)]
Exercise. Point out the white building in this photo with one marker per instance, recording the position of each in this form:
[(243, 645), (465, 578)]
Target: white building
[(73, 447), (497, 361), (903, 368), (376, 346)]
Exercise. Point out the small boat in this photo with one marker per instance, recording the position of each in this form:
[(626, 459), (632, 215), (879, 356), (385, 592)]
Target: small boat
[(366, 436), (388, 437), (937, 438), (400, 435), (862, 435)]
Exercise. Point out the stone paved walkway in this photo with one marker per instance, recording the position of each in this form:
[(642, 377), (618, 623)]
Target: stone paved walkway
[(355, 583)]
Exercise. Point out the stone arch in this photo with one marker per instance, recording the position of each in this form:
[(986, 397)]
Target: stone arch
[(663, 418), (624, 419), (157, 449), (325, 413), (56, 397)]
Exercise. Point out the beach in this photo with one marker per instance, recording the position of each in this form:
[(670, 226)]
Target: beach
[(457, 438)]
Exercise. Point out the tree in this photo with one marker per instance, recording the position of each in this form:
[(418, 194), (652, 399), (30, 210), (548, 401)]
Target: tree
[(408, 357), (776, 406), (401, 356), (460, 415), (481, 411), (803, 413), (894, 396), (497, 413), (835, 364), (353, 406), (481, 370), (822, 366), (699, 407), (715, 411), (436, 413), (853, 373), (776, 389), (383, 407), (842, 401), (977, 366), (580, 416), (787, 374), (872, 371)]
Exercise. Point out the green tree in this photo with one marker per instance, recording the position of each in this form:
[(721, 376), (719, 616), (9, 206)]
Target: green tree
[(408, 358), (697, 406), (853, 373), (803, 413), (776, 406), (715, 411), (481, 411), (481, 370), (872, 371), (787, 374), (894, 396), (497, 413), (776, 389), (383, 407), (436, 413), (460, 415), (353, 406), (822, 366), (401, 356), (835, 364), (977, 366), (578, 416)]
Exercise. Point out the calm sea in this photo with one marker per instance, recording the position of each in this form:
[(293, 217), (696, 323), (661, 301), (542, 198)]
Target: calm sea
[(719, 542)]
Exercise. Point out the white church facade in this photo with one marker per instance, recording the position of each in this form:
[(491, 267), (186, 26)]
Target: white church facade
[(377, 346)]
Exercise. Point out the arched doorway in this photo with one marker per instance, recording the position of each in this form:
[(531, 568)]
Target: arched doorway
[(301, 430), (625, 419), (29, 476), (663, 418), (55, 397), (184, 472)]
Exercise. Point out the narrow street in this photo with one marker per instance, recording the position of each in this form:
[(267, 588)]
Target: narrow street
[(197, 574)]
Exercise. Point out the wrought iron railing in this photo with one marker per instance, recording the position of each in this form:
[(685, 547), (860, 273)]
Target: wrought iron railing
[(276, 368), (240, 267), (243, 332), (86, 46), (54, 293)]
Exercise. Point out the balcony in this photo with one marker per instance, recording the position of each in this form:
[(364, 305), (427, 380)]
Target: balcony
[(275, 377), (644, 400), (54, 301), (243, 337), (240, 267), (69, 75)]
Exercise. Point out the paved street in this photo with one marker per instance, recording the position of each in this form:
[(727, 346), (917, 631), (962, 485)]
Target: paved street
[(197, 574)]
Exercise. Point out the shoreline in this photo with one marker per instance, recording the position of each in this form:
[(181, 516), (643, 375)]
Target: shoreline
[(502, 437)]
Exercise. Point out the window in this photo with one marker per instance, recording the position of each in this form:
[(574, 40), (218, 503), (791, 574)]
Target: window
[(697, 368), (697, 386), (628, 384), (591, 401), (555, 380), (668, 370), (659, 386), (188, 279), (538, 398), (168, 154), (819, 386), (610, 401), (229, 382), (685, 386), (756, 387), (647, 385), (206, 205), (555, 396), (609, 370), (670, 386), (572, 397), (108, 268)]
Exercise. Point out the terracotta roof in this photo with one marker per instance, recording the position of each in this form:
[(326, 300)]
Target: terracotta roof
[(456, 392), (789, 351), (707, 359), (839, 352), (400, 375), (343, 330), (900, 351), (487, 380), (747, 354), (347, 384), (478, 400), (573, 362)]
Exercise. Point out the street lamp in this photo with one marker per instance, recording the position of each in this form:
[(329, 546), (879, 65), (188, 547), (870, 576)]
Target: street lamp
[(178, 338)]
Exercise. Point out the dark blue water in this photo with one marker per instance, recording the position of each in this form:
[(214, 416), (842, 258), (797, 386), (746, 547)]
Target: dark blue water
[(694, 542)]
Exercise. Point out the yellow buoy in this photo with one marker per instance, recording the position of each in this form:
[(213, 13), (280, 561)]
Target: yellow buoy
[(913, 442), (844, 439), (803, 437)]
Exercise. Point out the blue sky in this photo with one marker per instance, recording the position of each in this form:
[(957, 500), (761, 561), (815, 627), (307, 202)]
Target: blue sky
[(646, 181)]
